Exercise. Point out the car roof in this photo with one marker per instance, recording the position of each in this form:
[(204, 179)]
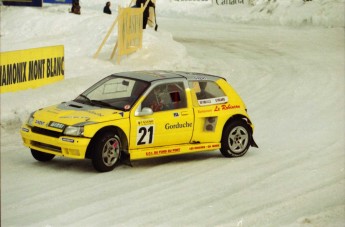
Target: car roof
[(154, 75)]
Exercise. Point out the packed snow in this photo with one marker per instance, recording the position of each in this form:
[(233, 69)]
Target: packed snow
[(286, 58)]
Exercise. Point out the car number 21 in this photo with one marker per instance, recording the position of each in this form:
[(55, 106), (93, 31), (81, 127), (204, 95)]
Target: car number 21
[(145, 134)]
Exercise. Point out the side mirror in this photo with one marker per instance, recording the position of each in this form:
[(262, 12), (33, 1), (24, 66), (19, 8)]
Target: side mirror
[(145, 111)]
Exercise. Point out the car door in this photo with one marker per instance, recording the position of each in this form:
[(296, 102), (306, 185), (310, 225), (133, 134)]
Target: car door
[(163, 118), (208, 97)]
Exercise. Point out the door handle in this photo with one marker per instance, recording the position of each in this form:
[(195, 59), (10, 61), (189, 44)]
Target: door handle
[(184, 113)]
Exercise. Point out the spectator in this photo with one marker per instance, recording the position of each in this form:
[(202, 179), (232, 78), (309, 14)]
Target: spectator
[(106, 8), (146, 12), (75, 7)]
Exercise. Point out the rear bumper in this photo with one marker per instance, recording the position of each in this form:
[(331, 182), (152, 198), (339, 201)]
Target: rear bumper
[(72, 147)]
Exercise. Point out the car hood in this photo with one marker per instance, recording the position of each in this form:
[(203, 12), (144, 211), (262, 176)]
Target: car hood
[(74, 113)]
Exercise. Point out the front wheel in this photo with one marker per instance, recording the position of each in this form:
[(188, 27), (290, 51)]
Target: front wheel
[(107, 152), (40, 156), (235, 139)]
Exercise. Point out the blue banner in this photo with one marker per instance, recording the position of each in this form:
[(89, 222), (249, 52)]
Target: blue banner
[(58, 1), (37, 3)]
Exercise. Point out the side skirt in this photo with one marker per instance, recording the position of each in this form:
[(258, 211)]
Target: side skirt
[(152, 152)]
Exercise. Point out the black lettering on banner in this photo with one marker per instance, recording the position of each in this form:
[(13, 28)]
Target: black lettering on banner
[(12, 73), (36, 69), (55, 66), (229, 2), (143, 133)]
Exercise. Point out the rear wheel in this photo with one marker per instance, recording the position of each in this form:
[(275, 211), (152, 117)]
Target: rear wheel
[(40, 156), (235, 139), (107, 152)]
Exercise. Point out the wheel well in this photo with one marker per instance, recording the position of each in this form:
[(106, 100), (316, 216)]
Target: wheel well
[(238, 117), (114, 129), (242, 118)]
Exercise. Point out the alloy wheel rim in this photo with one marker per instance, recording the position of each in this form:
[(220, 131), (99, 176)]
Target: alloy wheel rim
[(111, 152), (238, 139)]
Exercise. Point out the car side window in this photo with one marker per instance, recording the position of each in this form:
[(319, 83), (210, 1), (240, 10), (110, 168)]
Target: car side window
[(207, 92), (166, 97)]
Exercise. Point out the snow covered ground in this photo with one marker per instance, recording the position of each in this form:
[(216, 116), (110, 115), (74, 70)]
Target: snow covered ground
[(285, 58)]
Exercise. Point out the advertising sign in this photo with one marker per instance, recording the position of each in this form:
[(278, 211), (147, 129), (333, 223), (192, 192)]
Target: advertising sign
[(37, 3), (58, 1), (23, 69), (130, 32), (230, 2)]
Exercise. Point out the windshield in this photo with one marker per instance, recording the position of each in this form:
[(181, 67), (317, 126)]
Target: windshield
[(114, 92)]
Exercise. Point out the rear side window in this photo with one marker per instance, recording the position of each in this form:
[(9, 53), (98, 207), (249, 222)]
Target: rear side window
[(166, 97), (207, 92)]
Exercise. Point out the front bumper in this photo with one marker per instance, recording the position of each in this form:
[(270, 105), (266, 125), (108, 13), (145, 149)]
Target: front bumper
[(72, 147)]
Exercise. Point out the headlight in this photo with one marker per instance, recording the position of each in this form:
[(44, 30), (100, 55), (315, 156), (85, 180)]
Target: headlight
[(74, 131), (30, 120)]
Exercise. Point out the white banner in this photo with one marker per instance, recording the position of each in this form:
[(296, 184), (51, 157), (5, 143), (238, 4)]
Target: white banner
[(232, 2)]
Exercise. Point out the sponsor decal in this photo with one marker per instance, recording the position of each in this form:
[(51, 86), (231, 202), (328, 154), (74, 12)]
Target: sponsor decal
[(57, 125), (67, 140), (178, 125), (75, 117), (54, 112), (220, 99), (146, 122), (205, 111), (200, 78), (163, 152), (197, 148), (95, 113), (176, 114), (203, 147), (214, 146), (39, 122), (226, 107), (206, 102)]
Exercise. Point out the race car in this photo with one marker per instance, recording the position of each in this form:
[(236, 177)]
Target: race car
[(142, 114)]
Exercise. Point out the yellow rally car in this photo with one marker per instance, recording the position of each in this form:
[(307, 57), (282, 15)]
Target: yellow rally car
[(143, 114)]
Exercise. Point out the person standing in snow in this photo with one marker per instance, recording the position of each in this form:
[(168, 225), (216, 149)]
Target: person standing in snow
[(106, 8), (146, 12), (75, 7)]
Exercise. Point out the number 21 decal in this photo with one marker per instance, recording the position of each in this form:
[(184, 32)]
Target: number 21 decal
[(145, 135)]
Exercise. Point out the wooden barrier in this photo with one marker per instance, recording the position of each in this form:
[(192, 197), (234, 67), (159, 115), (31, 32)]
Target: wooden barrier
[(130, 32)]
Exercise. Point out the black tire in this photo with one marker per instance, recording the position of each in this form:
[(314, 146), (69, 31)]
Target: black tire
[(40, 156), (107, 152), (235, 139)]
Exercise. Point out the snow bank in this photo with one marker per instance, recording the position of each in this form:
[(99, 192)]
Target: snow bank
[(328, 13)]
